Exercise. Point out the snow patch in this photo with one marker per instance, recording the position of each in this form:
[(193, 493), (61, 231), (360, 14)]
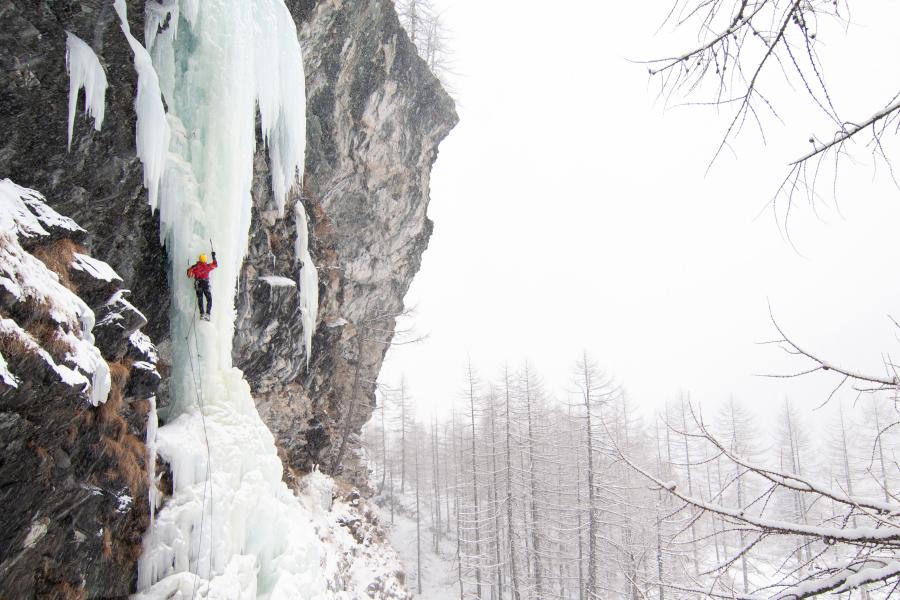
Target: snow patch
[(25, 277), (24, 213), (277, 281), (7, 377), (317, 491), (37, 531), (96, 269), (140, 341), (124, 502), (85, 71)]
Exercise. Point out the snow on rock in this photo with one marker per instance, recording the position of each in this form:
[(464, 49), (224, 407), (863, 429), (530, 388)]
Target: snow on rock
[(96, 269), (25, 278), (278, 281), (9, 329), (37, 531), (142, 343), (85, 71), (7, 377), (24, 213), (358, 561), (338, 322)]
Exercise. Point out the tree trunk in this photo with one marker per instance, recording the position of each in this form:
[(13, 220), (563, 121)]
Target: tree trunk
[(477, 515), (514, 576)]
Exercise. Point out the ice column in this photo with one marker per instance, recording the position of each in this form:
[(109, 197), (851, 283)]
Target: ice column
[(232, 528)]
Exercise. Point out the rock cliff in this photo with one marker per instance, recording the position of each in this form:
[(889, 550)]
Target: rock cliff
[(375, 117), (77, 380)]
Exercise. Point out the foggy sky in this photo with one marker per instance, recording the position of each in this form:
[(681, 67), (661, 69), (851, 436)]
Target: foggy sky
[(573, 211)]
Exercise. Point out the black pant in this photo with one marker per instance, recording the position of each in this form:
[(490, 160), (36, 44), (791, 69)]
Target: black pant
[(201, 286)]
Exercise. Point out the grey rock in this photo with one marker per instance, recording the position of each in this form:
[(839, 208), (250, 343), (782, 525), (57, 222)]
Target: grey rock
[(117, 319), (375, 119), (65, 465)]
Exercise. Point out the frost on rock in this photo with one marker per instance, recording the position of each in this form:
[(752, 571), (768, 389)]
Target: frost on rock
[(85, 71), (25, 278), (152, 130)]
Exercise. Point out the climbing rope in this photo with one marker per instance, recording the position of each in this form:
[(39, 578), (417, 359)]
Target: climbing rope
[(197, 377)]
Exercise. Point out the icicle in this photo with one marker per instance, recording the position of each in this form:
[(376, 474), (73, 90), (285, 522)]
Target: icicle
[(152, 131), (165, 13), (85, 71), (280, 86), (152, 427), (309, 279)]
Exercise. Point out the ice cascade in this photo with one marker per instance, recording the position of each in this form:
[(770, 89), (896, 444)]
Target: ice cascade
[(85, 71), (232, 528)]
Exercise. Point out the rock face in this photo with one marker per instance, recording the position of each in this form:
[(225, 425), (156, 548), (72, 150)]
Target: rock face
[(99, 182), (73, 468), (375, 118)]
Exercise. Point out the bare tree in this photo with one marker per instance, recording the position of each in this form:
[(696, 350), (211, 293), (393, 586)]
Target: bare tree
[(426, 29), (867, 551), (508, 471), (746, 49), (416, 452), (375, 327)]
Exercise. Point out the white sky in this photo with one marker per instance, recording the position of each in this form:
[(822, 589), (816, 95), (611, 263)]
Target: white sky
[(573, 211)]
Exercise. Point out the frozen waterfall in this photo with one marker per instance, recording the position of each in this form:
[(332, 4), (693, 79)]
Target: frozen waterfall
[(232, 528)]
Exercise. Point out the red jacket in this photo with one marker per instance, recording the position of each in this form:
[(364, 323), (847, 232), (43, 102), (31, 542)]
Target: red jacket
[(201, 270)]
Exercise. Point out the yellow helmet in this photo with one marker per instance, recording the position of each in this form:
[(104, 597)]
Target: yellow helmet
[(203, 258)]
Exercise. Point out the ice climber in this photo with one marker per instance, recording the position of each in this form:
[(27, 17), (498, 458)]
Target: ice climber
[(200, 272)]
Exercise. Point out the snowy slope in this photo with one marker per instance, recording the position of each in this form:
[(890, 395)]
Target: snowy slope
[(439, 577)]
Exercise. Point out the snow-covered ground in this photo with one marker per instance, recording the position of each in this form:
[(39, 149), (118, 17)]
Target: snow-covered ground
[(439, 577)]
